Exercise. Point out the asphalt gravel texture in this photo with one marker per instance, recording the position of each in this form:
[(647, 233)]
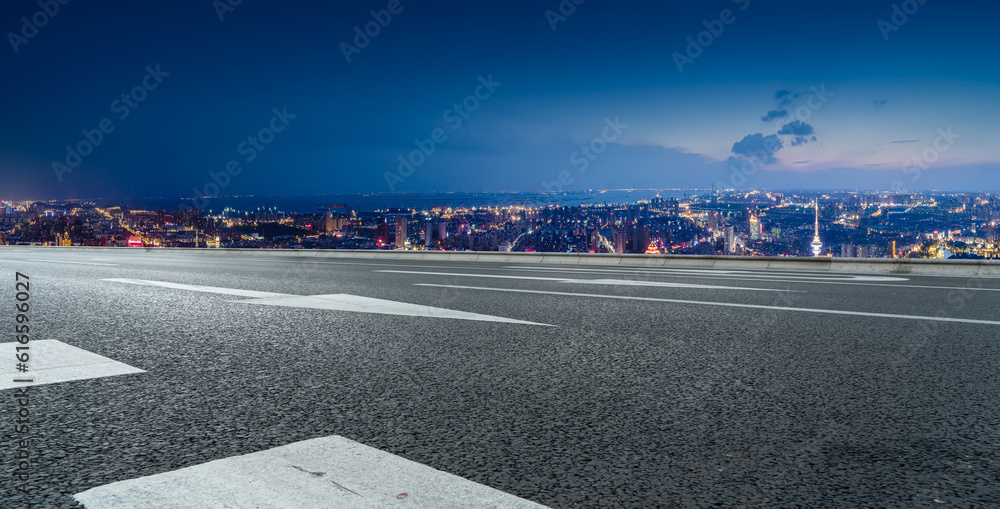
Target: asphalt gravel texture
[(624, 403)]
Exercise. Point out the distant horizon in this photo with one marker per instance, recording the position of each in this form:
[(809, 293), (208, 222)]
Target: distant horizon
[(501, 193)]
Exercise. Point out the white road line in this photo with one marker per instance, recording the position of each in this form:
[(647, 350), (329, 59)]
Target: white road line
[(318, 473), (727, 304), (721, 273), (50, 361), (72, 263), (614, 282), (724, 276), (333, 302)]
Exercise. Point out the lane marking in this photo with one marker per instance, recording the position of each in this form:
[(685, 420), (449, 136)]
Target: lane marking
[(762, 273), (732, 273), (68, 262), (333, 302), (726, 304), (51, 361), (318, 473), (614, 282), (533, 269)]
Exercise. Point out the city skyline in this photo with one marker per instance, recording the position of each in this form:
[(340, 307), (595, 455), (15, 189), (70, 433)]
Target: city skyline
[(201, 98), (726, 223)]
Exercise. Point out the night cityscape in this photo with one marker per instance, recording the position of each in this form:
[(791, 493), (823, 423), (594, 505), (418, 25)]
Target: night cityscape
[(731, 223), (530, 254)]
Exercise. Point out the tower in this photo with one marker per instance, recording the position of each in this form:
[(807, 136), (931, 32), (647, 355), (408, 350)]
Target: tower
[(817, 244)]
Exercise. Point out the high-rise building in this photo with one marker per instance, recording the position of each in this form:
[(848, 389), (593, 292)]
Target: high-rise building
[(382, 231), (754, 228), (730, 239), (400, 232), (328, 222), (619, 240)]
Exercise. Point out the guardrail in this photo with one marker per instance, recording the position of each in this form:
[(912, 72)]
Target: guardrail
[(856, 265)]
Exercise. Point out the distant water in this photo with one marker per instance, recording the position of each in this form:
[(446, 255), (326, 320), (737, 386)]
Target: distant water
[(369, 203)]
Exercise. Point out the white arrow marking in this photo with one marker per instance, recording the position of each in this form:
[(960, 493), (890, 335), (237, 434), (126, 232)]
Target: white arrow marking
[(198, 288), (335, 302), (50, 361), (319, 473)]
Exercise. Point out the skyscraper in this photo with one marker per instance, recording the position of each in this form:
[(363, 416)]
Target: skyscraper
[(328, 222), (400, 232)]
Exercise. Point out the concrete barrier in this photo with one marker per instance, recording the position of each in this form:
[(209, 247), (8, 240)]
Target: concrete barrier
[(958, 268)]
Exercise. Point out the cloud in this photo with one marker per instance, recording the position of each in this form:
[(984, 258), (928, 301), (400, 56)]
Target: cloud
[(905, 141), (785, 97), (802, 140), (879, 102), (797, 128), (803, 162), (773, 114), (758, 147)]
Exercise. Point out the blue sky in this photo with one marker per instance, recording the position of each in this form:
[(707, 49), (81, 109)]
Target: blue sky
[(849, 102)]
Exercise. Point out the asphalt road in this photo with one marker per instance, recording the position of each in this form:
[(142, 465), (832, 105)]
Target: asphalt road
[(641, 388)]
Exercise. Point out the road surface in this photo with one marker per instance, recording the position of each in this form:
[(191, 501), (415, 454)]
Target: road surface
[(559, 385)]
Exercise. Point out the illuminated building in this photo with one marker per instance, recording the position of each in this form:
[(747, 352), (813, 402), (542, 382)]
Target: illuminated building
[(400, 232), (328, 222)]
